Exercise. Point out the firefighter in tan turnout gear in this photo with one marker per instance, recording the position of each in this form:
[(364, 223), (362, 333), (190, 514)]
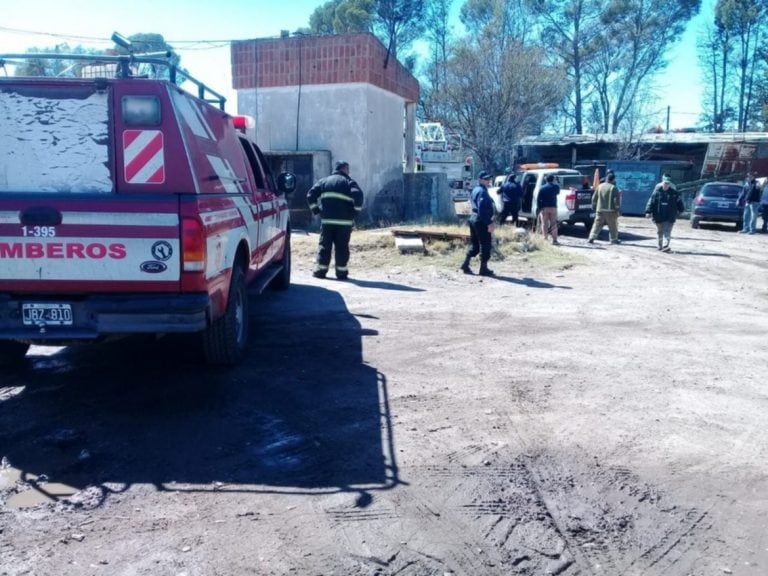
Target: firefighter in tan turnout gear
[(338, 200)]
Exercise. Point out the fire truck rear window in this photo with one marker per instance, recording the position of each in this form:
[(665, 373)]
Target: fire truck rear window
[(54, 142)]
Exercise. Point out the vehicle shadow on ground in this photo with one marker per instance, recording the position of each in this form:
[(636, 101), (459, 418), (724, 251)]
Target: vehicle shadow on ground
[(719, 227), (303, 413)]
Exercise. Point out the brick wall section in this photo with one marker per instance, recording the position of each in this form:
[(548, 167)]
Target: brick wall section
[(353, 58)]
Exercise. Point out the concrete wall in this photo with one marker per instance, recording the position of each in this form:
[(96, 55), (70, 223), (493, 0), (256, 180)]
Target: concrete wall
[(425, 196), (359, 123)]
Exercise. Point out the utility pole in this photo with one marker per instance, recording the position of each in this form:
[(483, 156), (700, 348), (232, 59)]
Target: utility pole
[(668, 109)]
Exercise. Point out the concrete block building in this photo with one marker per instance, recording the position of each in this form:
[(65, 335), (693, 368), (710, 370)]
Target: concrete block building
[(320, 99)]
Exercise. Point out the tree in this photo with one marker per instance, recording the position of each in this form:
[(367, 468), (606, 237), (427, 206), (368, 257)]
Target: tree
[(54, 66), (342, 17), (399, 23), (140, 43), (635, 36), (438, 35), (495, 97), (500, 19), (714, 53), (742, 19), (570, 28)]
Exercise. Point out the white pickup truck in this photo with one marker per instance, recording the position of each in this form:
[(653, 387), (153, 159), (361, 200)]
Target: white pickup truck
[(574, 203)]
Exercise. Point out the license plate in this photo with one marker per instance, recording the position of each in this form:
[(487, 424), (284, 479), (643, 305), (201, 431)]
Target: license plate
[(46, 314), (723, 204)]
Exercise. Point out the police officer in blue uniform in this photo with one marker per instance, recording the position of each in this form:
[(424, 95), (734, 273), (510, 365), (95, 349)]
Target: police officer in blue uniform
[(511, 194), (481, 226)]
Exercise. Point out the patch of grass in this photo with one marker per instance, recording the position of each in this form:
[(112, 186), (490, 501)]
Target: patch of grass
[(514, 248)]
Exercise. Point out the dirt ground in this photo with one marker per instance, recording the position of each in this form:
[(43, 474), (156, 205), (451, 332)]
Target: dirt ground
[(608, 416)]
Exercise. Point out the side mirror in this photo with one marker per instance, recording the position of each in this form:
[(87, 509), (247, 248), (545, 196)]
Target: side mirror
[(286, 182)]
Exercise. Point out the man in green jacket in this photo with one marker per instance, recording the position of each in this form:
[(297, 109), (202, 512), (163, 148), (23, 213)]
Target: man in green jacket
[(663, 207), (605, 203)]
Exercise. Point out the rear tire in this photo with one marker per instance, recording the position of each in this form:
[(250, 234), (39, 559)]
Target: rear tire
[(283, 280), (12, 352), (695, 222), (225, 340)]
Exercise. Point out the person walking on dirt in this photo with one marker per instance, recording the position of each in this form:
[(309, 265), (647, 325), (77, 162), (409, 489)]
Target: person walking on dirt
[(546, 204), (337, 199), (663, 207), (749, 199), (605, 203), (511, 194), (764, 207), (481, 226)]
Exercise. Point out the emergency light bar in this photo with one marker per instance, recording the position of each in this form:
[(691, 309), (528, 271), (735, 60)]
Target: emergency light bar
[(243, 122)]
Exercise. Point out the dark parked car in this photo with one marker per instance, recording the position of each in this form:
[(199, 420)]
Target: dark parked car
[(717, 202)]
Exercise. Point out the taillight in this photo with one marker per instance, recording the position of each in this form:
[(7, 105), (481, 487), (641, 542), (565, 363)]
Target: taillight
[(699, 200), (193, 245), (570, 200)]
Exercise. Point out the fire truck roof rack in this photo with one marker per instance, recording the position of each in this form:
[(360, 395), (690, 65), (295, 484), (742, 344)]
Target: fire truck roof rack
[(123, 67)]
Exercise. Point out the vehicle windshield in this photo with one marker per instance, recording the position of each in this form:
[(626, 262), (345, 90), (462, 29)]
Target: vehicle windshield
[(721, 191), (54, 139)]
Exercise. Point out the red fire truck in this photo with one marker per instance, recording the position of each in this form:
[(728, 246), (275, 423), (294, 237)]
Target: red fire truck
[(129, 205)]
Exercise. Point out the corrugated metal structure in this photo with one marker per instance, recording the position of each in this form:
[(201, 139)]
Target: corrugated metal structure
[(712, 155)]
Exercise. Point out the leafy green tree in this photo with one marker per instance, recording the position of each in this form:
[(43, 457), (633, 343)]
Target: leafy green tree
[(399, 23), (53, 66), (342, 16)]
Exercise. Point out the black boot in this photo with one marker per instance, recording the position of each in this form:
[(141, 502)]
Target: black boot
[(465, 266), (484, 270)]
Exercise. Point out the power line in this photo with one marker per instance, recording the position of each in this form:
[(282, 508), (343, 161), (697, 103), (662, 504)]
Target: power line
[(209, 44)]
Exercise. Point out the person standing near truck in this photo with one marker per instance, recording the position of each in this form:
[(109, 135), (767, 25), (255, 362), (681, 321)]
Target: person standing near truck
[(749, 200), (605, 203), (511, 194), (663, 207), (337, 199), (546, 204), (764, 206), (481, 226)]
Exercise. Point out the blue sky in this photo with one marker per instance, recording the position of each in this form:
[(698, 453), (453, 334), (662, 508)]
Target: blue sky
[(199, 31)]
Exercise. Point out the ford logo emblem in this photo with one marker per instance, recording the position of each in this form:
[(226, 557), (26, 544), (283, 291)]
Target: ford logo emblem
[(153, 267)]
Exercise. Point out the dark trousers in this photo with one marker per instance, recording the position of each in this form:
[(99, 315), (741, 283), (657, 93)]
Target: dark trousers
[(764, 208), (479, 242), (510, 208), (333, 236)]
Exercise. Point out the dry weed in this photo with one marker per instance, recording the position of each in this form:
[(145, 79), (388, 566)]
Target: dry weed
[(375, 248)]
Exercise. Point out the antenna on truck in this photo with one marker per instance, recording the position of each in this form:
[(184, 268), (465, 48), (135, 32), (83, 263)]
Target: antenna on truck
[(123, 67)]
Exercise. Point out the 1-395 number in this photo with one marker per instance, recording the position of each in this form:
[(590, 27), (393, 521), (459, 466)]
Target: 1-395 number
[(38, 231)]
